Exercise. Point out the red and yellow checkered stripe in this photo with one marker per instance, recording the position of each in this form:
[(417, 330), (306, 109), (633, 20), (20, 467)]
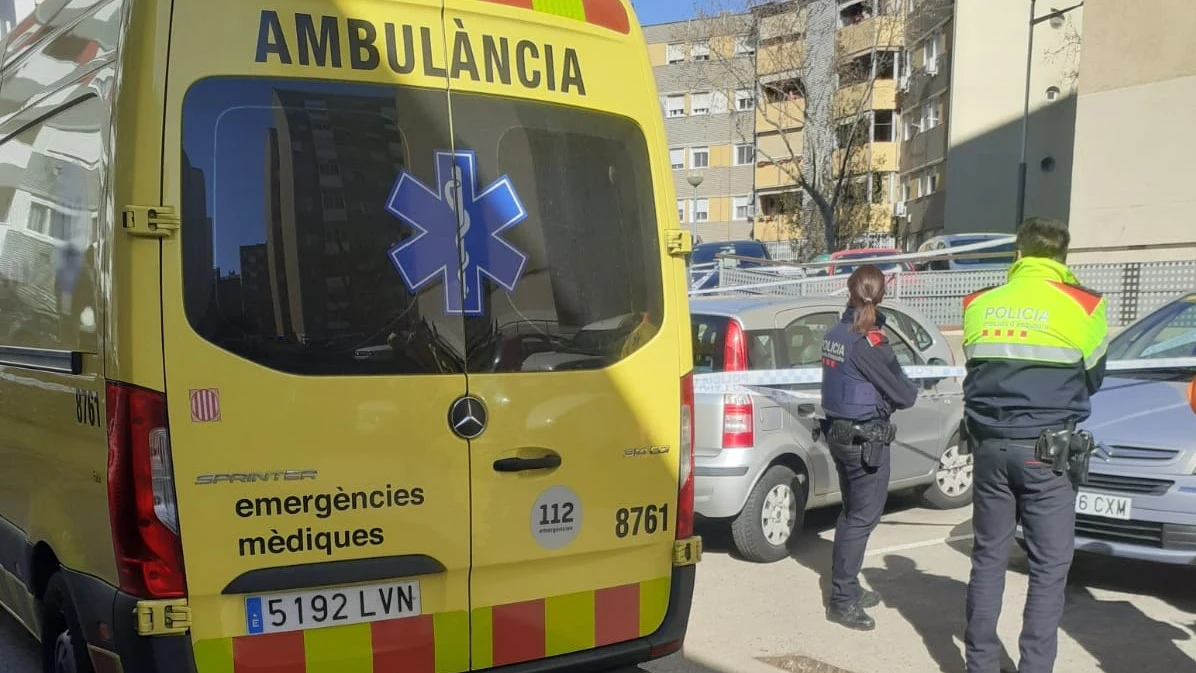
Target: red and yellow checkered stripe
[(441, 643), (606, 13)]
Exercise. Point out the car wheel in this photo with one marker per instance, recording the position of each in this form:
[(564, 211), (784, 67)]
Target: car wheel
[(952, 485), (772, 517), (63, 648)]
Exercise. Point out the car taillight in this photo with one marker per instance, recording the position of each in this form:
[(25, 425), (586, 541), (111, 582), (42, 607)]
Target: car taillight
[(737, 421), (141, 496), (734, 348), (685, 481)]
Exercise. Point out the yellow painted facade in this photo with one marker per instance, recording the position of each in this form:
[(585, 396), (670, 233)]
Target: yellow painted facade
[(853, 99), (876, 33), (879, 157)]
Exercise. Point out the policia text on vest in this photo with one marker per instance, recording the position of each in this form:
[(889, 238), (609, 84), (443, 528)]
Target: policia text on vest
[(862, 385), (1035, 350)]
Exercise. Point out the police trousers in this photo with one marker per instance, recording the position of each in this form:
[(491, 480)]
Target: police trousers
[(865, 490), (1011, 485)]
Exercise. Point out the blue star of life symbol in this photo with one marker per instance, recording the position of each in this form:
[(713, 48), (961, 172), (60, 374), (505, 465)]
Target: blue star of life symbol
[(458, 232)]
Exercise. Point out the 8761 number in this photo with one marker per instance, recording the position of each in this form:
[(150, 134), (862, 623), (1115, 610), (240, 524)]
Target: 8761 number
[(646, 519)]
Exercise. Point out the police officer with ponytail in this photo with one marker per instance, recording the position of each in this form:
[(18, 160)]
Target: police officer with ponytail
[(862, 385)]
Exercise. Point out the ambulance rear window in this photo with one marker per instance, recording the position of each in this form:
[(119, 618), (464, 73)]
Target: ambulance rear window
[(322, 236)]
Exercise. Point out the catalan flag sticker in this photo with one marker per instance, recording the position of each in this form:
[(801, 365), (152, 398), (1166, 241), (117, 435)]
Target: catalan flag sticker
[(611, 14)]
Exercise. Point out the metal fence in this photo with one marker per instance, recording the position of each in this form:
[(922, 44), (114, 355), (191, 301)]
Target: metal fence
[(1131, 289)]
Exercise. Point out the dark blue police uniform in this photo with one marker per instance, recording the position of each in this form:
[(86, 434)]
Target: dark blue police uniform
[(862, 385)]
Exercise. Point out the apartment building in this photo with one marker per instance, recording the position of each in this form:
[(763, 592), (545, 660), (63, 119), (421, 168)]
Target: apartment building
[(923, 101), (703, 72), (1134, 137)]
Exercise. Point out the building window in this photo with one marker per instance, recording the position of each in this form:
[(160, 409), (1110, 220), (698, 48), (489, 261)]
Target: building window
[(743, 100), (718, 102), (674, 106), (699, 103), (677, 158), (744, 45), (745, 154), (701, 210), (911, 126), (680, 210), (699, 157), (700, 51), (675, 53), (742, 207), (930, 114), (332, 199), (882, 126), (930, 53), (906, 192)]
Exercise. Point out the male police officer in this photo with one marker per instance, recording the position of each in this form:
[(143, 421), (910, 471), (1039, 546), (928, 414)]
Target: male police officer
[(1035, 350)]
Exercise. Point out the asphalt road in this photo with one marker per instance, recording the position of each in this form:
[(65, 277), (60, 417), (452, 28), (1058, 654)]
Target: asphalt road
[(1121, 617)]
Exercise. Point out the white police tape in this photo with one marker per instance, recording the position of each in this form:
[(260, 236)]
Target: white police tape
[(734, 382)]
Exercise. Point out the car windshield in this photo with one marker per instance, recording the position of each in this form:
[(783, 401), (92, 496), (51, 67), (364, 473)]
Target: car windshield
[(703, 254), (1170, 332), (1006, 247), (841, 268)]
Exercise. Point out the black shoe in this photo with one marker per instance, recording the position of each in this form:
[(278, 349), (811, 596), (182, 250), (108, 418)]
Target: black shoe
[(869, 599), (853, 617)]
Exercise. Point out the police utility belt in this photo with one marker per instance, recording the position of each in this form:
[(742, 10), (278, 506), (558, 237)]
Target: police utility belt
[(872, 436), (1066, 450)]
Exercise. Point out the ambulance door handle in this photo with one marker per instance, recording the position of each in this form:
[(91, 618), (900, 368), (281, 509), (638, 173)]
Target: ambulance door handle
[(805, 410), (524, 464)]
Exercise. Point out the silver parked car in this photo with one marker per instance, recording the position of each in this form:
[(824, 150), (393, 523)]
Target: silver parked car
[(758, 468), (1140, 499)]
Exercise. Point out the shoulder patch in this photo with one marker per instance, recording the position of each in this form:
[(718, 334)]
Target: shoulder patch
[(876, 337), (1087, 299), (972, 297)]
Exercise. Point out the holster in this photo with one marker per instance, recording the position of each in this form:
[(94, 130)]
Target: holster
[(1066, 451), (872, 436)]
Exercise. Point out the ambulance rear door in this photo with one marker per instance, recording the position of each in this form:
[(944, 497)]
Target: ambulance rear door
[(310, 363), (574, 409)]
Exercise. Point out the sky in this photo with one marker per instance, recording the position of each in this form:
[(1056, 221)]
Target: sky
[(662, 11)]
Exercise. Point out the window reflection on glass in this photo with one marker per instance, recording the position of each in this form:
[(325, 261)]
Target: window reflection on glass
[(286, 235)]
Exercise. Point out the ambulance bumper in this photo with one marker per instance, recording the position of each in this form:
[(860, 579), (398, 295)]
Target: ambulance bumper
[(110, 626)]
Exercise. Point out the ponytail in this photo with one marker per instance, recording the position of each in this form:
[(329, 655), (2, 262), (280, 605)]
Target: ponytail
[(865, 318), (865, 289)]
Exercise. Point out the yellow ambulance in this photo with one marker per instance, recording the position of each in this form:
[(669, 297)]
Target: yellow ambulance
[(341, 335)]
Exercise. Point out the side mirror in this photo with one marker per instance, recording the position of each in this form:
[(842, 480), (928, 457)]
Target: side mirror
[(934, 362)]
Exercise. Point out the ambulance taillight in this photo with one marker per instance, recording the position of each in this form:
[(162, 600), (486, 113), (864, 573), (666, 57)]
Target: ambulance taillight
[(685, 491), (141, 496)]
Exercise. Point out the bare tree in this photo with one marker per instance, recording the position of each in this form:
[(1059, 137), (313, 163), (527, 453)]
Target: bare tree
[(812, 87)]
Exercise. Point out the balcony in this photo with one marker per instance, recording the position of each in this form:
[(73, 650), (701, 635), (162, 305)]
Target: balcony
[(783, 57), (850, 100), (883, 157), (874, 33), (771, 175), (788, 114)]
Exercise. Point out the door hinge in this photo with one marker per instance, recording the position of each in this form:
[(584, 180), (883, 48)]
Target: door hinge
[(160, 618), (687, 552), (680, 242), (150, 221)]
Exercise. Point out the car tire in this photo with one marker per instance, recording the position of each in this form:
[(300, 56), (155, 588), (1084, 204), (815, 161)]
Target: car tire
[(953, 479), (772, 517), (64, 650)]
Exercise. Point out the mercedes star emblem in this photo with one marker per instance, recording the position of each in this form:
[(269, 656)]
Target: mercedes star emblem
[(467, 417)]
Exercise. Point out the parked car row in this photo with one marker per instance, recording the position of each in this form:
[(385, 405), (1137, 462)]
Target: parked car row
[(758, 468)]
